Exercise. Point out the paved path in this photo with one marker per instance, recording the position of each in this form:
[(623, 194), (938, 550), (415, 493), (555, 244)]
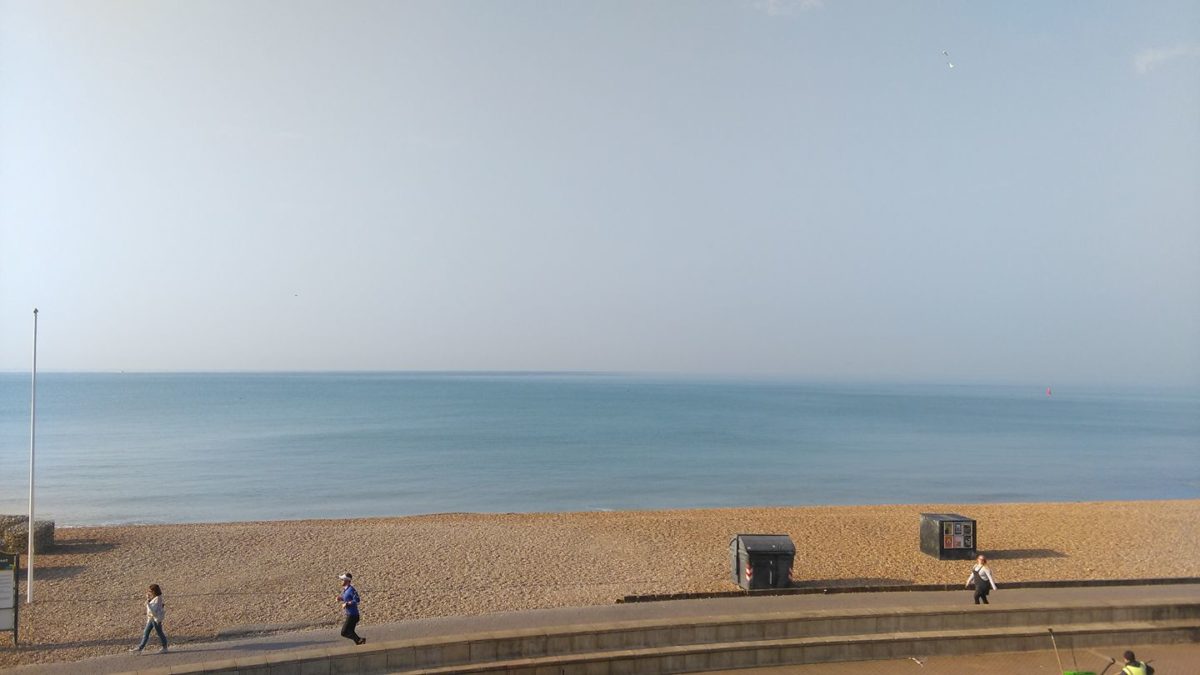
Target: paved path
[(677, 609)]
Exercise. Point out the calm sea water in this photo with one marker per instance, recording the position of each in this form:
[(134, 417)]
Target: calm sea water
[(116, 448)]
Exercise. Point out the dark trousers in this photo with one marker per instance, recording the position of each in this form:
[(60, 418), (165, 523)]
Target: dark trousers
[(981, 592), (348, 628)]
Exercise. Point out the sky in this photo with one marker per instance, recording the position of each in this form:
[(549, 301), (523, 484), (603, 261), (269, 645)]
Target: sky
[(799, 188)]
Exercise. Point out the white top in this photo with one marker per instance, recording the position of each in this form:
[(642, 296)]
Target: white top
[(155, 609), (984, 573)]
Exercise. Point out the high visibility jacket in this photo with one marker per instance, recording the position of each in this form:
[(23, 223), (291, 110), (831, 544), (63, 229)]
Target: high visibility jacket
[(1135, 668)]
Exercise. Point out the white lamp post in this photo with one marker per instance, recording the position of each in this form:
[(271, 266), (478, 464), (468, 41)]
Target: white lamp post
[(32, 445)]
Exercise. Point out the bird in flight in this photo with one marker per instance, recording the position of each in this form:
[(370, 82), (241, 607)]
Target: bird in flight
[(947, 55)]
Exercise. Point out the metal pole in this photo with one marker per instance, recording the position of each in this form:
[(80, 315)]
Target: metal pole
[(32, 445), (1052, 641)]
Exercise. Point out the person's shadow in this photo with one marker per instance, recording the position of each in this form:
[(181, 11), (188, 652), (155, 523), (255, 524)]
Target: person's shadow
[(113, 642)]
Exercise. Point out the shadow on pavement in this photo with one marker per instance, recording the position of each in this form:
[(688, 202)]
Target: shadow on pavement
[(257, 646)]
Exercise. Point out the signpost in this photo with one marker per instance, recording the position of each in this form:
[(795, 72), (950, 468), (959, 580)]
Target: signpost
[(32, 432), (9, 562)]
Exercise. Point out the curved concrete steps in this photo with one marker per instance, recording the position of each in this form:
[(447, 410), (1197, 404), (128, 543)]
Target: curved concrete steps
[(700, 658), (698, 644)]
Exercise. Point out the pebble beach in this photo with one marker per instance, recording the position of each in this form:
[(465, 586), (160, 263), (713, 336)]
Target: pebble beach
[(229, 579)]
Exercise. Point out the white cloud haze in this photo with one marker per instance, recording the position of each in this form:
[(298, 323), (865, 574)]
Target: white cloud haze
[(1149, 59)]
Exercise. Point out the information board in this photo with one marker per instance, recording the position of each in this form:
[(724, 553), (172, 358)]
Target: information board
[(8, 592)]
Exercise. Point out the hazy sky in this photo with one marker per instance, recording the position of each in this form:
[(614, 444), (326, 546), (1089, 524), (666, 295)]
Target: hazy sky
[(802, 188)]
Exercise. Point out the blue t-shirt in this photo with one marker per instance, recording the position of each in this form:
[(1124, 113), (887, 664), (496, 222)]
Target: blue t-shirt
[(350, 597)]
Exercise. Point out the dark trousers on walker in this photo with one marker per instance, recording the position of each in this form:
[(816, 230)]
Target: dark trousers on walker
[(348, 628), (981, 591)]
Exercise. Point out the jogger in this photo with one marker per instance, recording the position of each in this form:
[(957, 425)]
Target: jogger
[(349, 599)]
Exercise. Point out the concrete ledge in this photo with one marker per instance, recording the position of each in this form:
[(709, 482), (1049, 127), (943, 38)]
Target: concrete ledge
[(801, 589)]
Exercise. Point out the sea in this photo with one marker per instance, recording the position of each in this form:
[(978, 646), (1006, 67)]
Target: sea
[(114, 448)]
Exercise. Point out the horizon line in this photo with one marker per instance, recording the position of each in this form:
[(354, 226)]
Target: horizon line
[(793, 377)]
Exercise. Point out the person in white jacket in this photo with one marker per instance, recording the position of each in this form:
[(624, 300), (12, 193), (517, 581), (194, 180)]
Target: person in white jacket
[(155, 612), (983, 580)]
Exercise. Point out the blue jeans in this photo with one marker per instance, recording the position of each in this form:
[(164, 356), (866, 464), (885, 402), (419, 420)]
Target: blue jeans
[(151, 624)]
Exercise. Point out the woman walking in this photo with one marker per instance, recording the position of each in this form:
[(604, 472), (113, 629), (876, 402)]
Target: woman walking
[(155, 611), (981, 577)]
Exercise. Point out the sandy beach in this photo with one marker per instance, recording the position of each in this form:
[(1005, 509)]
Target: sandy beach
[(232, 577)]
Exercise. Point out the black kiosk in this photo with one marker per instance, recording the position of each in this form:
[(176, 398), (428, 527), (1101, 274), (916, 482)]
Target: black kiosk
[(762, 560), (948, 536)]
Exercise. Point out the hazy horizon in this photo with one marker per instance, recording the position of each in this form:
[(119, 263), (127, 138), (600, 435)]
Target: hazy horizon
[(801, 189), (1060, 389)]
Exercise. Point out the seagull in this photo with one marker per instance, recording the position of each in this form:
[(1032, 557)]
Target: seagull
[(947, 55), (919, 661)]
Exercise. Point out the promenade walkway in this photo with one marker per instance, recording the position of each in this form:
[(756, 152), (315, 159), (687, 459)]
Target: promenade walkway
[(680, 611)]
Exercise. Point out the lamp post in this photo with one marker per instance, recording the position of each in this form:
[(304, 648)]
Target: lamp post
[(32, 445)]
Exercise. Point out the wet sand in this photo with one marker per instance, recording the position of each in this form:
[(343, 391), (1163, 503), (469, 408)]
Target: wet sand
[(228, 578)]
